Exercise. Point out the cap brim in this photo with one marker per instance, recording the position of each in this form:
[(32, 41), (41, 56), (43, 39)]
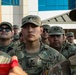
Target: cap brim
[(31, 23), (6, 25), (55, 34), (72, 15)]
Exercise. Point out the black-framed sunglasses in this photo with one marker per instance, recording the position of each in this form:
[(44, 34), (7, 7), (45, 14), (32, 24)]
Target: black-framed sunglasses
[(45, 30), (7, 29)]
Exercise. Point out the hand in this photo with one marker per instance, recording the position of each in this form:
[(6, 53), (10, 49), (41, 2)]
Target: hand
[(16, 70)]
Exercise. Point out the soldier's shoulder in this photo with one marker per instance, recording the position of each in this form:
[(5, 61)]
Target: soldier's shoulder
[(47, 47), (68, 45)]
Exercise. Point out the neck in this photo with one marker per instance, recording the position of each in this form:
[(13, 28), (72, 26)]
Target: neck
[(32, 47), (45, 41), (5, 42)]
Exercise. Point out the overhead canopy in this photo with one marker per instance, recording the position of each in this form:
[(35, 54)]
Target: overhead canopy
[(60, 19)]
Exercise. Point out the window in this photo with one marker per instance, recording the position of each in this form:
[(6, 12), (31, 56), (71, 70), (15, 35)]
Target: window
[(45, 5), (10, 2)]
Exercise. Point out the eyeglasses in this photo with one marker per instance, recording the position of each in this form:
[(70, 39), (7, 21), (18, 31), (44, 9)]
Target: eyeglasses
[(7, 29), (45, 30)]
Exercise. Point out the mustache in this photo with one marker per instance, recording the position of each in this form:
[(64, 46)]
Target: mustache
[(30, 34)]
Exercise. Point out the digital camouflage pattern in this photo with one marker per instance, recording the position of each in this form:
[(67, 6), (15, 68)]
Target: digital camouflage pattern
[(6, 23), (62, 68), (56, 30), (31, 19), (72, 60), (40, 62), (15, 26), (10, 49), (68, 49), (37, 63), (68, 34), (46, 26), (72, 16)]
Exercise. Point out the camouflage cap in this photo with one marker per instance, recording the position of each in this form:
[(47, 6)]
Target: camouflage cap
[(56, 30), (15, 26), (46, 26), (72, 15), (6, 23), (68, 34), (31, 19)]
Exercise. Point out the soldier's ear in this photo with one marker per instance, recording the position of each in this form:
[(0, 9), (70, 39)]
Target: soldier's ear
[(64, 37), (41, 30), (12, 32)]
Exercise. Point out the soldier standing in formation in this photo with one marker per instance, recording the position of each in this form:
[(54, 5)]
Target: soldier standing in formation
[(45, 35), (6, 34), (16, 34), (70, 38), (34, 56), (57, 40)]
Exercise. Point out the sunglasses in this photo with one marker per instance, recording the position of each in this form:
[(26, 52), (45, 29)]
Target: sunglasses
[(7, 29), (45, 30)]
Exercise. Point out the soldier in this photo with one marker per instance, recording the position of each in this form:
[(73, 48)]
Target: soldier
[(16, 29), (16, 33), (72, 16), (70, 37), (6, 33), (21, 39), (57, 41), (44, 36), (34, 56)]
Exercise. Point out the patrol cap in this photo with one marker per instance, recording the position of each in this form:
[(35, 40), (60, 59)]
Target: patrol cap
[(46, 26), (15, 26), (34, 19), (6, 23), (72, 15), (56, 30), (68, 34)]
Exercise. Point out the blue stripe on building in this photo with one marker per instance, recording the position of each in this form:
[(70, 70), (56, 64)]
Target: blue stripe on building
[(45, 5), (10, 2)]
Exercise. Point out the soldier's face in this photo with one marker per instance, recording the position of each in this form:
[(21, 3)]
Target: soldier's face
[(31, 32), (56, 41), (70, 39), (5, 32), (15, 30), (45, 34)]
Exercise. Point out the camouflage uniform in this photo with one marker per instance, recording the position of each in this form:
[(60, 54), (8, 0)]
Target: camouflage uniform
[(35, 64), (10, 49), (70, 34), (12, 46), (72, 16), (39, 62), (67, 49)]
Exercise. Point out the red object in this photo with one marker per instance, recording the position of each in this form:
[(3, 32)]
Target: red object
[(5, 68), (14, 63)]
